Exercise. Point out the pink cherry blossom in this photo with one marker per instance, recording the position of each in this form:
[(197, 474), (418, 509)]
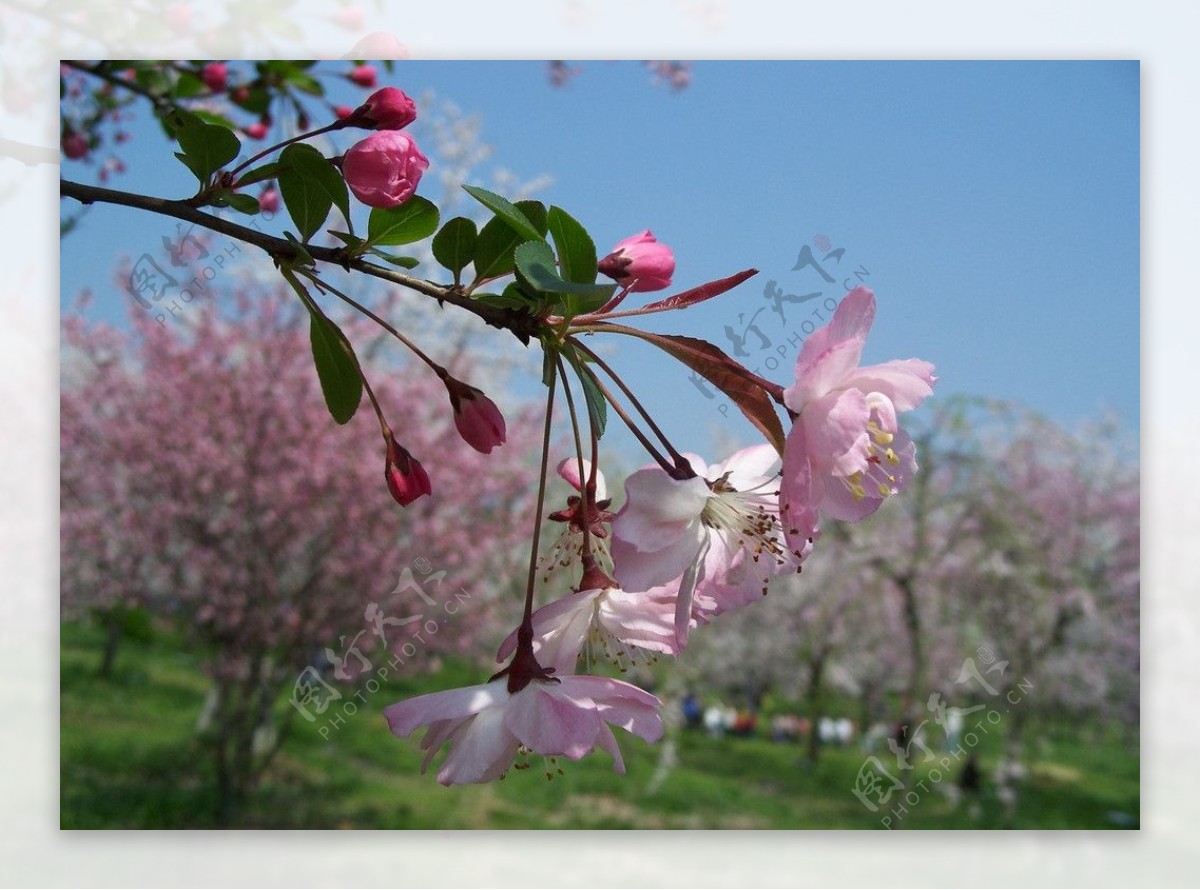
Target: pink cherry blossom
[(846, 452), (640, 263), (721, 527), (384, 169), (487, 726), (608, 617)]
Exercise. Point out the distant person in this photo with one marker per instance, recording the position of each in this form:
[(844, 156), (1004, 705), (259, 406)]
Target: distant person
[(970, 783), (714, 720), (693, 712), (843, 729)]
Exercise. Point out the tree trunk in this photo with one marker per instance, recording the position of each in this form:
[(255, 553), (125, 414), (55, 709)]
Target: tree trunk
[(114, 627), (816, 668)]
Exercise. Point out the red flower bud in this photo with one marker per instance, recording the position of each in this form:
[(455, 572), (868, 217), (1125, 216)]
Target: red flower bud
[(640, 260), (384, 169), (385, 109), (363, 75), (75, 145), (268, 200), (215, 76), (477, 418), (257, 130), (406, 478)]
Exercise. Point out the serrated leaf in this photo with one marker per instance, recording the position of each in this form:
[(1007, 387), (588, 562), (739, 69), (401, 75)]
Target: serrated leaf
[(454, 245), (535, 266), (737, 382), (310, 186), (506, 210), (337, 368), (207, 147), (575, 247), (413, 220), (535, 212)]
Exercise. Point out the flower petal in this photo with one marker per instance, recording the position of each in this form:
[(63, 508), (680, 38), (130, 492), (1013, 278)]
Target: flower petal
[(831, 353), (799, 493), (747, 468), (906, 382), (636, 570), (550, 722), (403, 717), (480, 751), (835, 431)]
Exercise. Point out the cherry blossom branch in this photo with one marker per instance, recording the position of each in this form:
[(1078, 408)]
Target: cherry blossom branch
[(527, 617), (520, 324)]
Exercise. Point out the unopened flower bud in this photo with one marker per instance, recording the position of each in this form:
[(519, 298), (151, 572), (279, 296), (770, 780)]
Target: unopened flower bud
[(268, 200), (215, 76), (384, 169), (363, 75), (477, 418), (75, 145), (385, 109), (406, 478), (641, 261)]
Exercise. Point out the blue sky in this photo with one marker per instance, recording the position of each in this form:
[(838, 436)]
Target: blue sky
[(993, 207)]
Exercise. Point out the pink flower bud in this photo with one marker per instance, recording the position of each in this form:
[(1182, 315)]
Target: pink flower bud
[(216, 76), (385, 109), (240, 94), (406, 478), (384, 169), (363, 75), (257, 130), (477, 418), (641, 261), (268, 201), (75, 145)]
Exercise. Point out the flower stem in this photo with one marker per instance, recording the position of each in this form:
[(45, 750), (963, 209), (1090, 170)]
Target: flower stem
[(323, 285), (587, 498), (527, 617), (336, 125)]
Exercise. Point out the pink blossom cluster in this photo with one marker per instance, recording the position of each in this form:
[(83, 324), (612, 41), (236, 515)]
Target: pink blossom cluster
[(689, 544)]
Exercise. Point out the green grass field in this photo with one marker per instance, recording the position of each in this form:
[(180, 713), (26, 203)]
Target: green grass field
[(131, 758)]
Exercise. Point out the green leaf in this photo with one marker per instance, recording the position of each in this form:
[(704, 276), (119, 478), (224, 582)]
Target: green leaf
[(407, 262), (267, 171), (535, 212), (454, 245), (241, 203), (305, 258), (506, 210), (413, 220), (494, 249), (596, 403), (337, 368), (207, 148), (188, 85), (351, 241), (310, 185), (535, 266), (576, 249)]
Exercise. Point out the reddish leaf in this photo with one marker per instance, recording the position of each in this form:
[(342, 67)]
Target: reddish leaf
[(701, 293), (743, 387)]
